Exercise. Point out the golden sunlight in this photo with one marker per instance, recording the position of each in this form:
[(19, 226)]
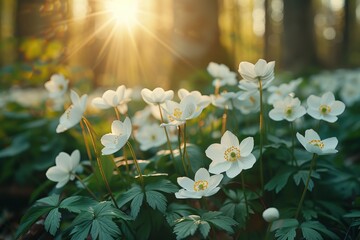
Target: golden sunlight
[(124, 12)]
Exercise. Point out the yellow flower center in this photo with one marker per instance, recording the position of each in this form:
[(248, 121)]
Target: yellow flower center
[(153, 137), (177, 113), (317, 143), (232, 154), (288, 111), (200, 185), (324, 109)]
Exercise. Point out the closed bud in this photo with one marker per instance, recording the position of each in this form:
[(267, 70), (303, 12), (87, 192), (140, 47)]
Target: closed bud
[(271, 214)]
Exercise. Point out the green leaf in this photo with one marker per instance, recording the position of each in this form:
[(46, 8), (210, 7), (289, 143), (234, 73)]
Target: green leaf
[(284, 223), (136, 204), (186, 226), (162, 185), (288, 233), (310, 234), (197, 157), (96, 221), (320, 228), (30, 218), (156, 200), (52, 221), (77, 204), (302, 175), (176, 211), (204, 229), (220, 221), (278, 182), (52, 200), (354, 214), (129, 195)]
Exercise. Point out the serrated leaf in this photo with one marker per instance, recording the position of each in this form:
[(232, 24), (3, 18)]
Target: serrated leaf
[(320, 228), (129, 195), (286, 233), (77, 204), (176, 211), (80, 232), (219, 220), (204, 229), (52, 200), (156, 200), (162, 185), (30, 218), (310, 234), (104, 228), (136, 204), (284, 223), (52, 221), (185, 228), (278, 182), (302, 175)]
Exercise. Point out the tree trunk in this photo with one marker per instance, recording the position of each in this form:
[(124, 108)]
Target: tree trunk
[(298, 51)]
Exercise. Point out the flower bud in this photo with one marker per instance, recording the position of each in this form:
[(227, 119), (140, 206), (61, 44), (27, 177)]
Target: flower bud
[(271, 214)]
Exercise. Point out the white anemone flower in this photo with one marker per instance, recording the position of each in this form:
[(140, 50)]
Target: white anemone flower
[(281, 91), (156, 96), (65, 169), (223, 76), (202, 101), (325, 107), (150, 135), (203, 185), (179, 113), (120, 134), (313, 144), (57, 86), (111, 99), (226, 100), (74, 113), (249, 102), (288, 109), (229, 156), (251, 74)]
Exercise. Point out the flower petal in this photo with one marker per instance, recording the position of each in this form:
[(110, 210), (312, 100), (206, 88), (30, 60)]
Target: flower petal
[(186, 183), (247, 162), (63, 160), (246, 146), (202, 174), (234, 170), (219, 167), (337, 108), (313, 102), (330, 143), (310, 134), (229, 140), (327, 98), (215, 152)]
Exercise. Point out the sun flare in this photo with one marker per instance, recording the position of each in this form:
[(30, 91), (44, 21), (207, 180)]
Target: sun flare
[(124, 12)]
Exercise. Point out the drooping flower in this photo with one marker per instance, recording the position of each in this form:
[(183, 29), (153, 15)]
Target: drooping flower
[(281, 91), (325, 107), (156, 96), (271, 214), (150, 135), (74, 113), (65, 169), (202, 101), (229, 156), (251, 74), (120, 134), (313, 144), (111, 99), (223, 76), (179, 113), (288, 109), (57, 86), (203, 186)]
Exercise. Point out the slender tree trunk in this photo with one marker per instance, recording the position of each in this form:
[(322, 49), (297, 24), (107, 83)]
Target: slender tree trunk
[(298, 51), (7, 31)]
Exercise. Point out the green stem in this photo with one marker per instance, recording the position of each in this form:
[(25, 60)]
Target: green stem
[(167, 136), (293, 159), (245, 196), (261, 129), (87, 124), (306, 186), (185, 152), (224, 120), (86, 145), (181, 154), (86, 187), (136, 163), (117, 113)]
